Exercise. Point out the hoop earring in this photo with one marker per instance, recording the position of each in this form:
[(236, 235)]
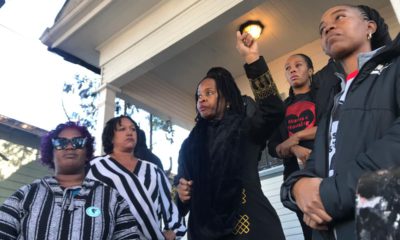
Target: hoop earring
[(369, 36)]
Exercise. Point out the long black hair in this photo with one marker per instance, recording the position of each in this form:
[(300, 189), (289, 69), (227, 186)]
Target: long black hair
[(226, 87)]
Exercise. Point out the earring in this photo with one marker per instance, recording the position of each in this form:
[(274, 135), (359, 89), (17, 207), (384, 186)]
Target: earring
[(228, 107), (369, 36)]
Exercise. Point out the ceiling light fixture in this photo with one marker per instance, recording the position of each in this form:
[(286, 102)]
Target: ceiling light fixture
[(253, 27)]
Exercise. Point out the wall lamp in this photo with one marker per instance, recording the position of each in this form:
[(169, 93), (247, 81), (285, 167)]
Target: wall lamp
[(253, 27)]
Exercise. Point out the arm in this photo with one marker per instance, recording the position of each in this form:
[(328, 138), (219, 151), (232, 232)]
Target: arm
[(182, 204), (10, 216), (301, 192), (306, 134), (301, 153), (381, 154), (173, 220), (337, 193), (182, 167), (274, 141), (287, 198), (271, 108), (289, 146), (295, 197), (125, 223)]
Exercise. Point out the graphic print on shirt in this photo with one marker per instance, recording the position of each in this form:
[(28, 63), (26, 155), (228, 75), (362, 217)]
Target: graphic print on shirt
[(339, 101), (299, 116)]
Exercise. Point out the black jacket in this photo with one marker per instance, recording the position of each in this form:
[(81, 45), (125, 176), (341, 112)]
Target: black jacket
[(255, 130), (325, 86), (368, 139)]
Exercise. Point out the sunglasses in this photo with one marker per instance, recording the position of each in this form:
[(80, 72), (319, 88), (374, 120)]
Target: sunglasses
[(62, 143)]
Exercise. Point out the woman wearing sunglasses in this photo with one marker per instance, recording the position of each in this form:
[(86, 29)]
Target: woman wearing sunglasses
[(66, 205), (145, 186)]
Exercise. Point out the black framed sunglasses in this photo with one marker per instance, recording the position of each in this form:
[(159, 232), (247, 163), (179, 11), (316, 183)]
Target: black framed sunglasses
[(62, 143)]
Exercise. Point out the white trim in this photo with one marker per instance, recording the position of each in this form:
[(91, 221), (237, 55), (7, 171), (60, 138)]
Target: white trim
[(266, 173), (165, 39), (73, 21), (396, 8)]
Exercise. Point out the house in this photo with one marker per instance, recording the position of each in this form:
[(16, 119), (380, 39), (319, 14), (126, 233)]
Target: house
[(153, 53), (19, 152)]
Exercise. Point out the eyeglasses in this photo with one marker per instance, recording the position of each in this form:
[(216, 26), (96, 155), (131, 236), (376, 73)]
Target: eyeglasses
[(62, 143)]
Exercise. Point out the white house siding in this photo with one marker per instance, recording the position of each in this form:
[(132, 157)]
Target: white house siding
[(271, 180), (25, 175)]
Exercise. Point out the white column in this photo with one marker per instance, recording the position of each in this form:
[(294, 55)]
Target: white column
[(106, 109), (396, 8)]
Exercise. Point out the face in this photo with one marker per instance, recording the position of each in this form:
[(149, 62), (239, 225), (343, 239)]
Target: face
[(207, 103), (125, 136), (344, 31), (297, 72), (69, 152)]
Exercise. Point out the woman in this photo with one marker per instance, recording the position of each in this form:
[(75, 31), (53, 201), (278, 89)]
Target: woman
[(145, 186), (294, 139), (218, 174), (143, 152), (362, 133), (68, 205)]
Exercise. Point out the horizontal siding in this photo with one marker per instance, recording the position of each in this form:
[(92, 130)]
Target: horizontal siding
[(271, 181), (25, 175), (166, 101)]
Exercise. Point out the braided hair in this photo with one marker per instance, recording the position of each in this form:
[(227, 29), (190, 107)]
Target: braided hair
[(226, 87), (310, 65), (381, 36)]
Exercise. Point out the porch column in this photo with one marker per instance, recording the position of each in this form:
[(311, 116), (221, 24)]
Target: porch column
[(106, 109), (396, 8)]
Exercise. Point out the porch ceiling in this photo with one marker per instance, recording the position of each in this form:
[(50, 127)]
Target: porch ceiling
[(290, 24)]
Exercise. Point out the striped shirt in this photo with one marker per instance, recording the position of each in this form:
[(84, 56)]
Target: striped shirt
[(147, 191), (43, 210)]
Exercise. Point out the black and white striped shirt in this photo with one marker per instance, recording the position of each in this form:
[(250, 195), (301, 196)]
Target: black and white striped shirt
[(43, 210), (147, 191)]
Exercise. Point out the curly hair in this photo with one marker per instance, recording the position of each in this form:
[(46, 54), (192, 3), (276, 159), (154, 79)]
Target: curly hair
[(46, 146), (108, 132)]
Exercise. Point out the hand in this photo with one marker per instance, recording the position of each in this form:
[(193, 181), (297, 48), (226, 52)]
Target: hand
[(184, 189), (169, 235), (247, 47), (279, 152), (284, 147), (306, 193), (301, 153), (314, 225)]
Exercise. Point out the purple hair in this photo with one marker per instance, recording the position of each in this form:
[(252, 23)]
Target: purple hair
[(46, 146)]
